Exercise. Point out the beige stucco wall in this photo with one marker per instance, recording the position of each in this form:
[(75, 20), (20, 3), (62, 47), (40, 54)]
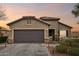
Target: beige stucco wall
[(54, 25), (63, 27), (23, 25)]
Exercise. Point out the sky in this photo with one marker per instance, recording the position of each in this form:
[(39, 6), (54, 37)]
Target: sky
[(15, 11)]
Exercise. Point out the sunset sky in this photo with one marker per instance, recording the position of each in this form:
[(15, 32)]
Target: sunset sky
[(60, 10)]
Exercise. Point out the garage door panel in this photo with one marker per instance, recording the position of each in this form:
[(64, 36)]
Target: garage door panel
[(28, 36)]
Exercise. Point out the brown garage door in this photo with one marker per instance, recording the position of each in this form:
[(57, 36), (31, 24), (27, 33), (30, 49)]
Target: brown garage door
[(28, 36)]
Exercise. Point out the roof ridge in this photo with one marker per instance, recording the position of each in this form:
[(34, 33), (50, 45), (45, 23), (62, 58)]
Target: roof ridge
[(49, 18)]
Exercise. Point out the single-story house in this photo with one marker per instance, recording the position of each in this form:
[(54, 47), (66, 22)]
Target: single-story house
[(30, 29)]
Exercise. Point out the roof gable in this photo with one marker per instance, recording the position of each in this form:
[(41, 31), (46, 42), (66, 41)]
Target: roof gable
[(28, 17), (64, 24)]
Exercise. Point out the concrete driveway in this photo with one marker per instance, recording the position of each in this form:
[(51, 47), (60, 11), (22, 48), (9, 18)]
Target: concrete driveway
[(25, 50)]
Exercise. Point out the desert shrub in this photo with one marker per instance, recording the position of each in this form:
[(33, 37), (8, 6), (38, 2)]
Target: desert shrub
[(74, 44), (67, 42), (3, 39), (74, 51), (69, 46), (71, 42), (76, 40), (61, 48)]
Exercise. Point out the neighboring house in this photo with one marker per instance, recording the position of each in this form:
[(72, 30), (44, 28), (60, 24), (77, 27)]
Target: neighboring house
[(75, 34), (30, 29), (3, 31)]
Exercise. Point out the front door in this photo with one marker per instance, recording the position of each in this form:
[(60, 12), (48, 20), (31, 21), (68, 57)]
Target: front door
[(52, 33)]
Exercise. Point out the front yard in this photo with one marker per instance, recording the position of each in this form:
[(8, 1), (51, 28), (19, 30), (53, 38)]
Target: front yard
[(66, 47)]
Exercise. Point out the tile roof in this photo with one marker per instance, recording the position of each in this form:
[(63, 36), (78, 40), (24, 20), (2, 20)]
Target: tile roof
[(49, 18)]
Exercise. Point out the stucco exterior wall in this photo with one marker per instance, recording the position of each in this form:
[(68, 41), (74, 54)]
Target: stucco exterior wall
[(54, 25), (35, 24), (63, 27), (57, 26)]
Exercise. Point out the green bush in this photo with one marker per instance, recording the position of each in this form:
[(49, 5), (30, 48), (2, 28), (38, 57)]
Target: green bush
[(3, 39), (69, 46), (74, 44), (67, 42), (61, 49), (76, 40), (74, 51), (71, 42)]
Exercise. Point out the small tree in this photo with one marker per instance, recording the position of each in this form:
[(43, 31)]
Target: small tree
[(75, 11), (2, 13), (2, 17)]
